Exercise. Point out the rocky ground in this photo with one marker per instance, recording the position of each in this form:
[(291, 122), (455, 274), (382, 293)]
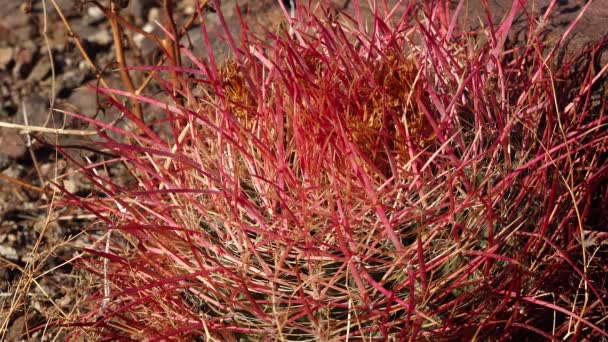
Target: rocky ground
[(40, 68)]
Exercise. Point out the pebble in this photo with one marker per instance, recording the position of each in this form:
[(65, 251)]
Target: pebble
[(5, 162), (37, 109), (137, 8), (154, 15), (11, 143), (145, 44), (101, 37), (25, 54), (59, 37), (5, 33), (23, 59), (16, 331), (70, 80), (71, 185), (16, 20), (95, 15), (40, 71), (9, 252), (84, 100), (6, 56)]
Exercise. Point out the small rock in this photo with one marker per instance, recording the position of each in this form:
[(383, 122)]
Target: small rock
[(4, 163), (6, 56), (59, 36), (101, 37), (5, 33), (11, 143), (22, 34), (9, 252), (17, 329), (24, 55), (84, 66), (16, 20), (138, 9), (5, 91), (145, 44), (71, 185), (94, 15), (189, 10), (70, 80), (40, 71), (37, 109), (154, 15), (23, 60), (67, 6), (14, 171), (46, 169), (26, 7), (11, 238), (84, 100)]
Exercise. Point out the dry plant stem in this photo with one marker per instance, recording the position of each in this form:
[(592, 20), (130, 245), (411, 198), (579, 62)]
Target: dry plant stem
[(51, 61), (23, 184), (120, 59), (113, 16), (79, 45), (150, 76), (25, 129), (172, 45), (202, 5), (28, 276), (161, 43), (29, 145)]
